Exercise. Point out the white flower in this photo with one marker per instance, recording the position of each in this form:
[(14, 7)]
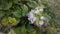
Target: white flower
[(42, 17), (41, 22), (40, 8)]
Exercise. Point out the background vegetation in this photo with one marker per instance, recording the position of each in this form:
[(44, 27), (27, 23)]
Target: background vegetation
[(14, 20)]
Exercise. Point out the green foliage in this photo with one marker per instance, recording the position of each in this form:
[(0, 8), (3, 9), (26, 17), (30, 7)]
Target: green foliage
[(51, 30), (2, 14), (20, 30), (17, 11), (11, 21), (13, 12), (5, 4), (32, 4), (24, 10)]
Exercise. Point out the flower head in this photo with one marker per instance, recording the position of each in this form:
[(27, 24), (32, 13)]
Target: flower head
[(32, 19), (41, 22)]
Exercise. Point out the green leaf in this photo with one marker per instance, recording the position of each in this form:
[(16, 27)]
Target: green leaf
[(24, 10), (17, 11), (4, 21), (32, 4), (9, 21), (39, 2), (2, 14), (5, 4), (34, 32), (12, 21), (51, 30), (17, 14), (7, 13), (23, 30), (20, 30), (16, 1)]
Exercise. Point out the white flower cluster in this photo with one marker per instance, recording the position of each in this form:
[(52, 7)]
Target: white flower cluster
[(32, 18)]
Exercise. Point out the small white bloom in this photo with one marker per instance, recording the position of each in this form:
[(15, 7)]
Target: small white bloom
[(41, 9), (41, 22), (42, 17)]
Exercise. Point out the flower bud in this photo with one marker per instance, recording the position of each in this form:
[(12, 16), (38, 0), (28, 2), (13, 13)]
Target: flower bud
[(42, 18), (32, 19)]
